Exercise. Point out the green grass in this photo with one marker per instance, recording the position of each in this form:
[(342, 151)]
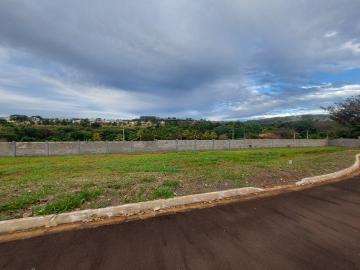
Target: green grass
[(131, 177), (166, 190), (67, 202), (170, 183), (25, 199), (163, 193)]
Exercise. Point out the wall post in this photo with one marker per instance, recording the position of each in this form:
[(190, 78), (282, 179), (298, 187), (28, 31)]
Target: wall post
[(107, 147), (47, 148), (294, 138), (14, 148)]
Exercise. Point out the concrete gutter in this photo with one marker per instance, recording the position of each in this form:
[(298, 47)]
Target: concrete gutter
[(127, 210), (330, 176), (8, 226)]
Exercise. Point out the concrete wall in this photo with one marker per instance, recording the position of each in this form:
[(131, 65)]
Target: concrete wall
[(120, 147), (64, 148), (93, 147), (167, 145), (31, 149), (75, 148), (7, 149), (345, 142)]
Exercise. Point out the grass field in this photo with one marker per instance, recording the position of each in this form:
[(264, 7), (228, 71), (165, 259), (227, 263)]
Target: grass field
[(44, 185)]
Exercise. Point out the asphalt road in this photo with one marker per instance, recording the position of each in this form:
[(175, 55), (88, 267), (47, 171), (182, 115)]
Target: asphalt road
[(317, 228)]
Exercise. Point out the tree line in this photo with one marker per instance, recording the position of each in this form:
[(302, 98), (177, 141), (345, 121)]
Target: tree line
[(343, 121)]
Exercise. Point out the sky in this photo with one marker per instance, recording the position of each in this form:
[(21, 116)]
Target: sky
[(219, 60)]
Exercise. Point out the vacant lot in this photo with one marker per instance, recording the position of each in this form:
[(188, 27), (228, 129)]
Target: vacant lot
[(44, 185)]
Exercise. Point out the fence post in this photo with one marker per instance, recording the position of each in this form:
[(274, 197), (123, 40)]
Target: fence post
[(177, 145), (156, 145), (294, 138), (47, 148), (213, 144), (229, 144), (107, 147), (79, 150), (195, 144), (14, 148)]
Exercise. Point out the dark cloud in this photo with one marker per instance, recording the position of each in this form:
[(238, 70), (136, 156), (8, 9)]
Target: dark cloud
[(219, 59)]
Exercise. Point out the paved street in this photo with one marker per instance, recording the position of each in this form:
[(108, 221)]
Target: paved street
[(317, 228)]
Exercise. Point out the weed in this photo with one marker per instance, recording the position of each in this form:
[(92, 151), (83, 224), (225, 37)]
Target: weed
[(162, 192), (114, 185), (25, 199), (170, 183), (67, 202), (148, 179)]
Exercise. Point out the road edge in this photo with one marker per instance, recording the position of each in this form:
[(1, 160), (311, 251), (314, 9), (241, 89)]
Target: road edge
[(88, 215), (330, 176)]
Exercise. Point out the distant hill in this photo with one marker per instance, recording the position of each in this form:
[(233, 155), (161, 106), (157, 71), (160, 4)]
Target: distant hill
[(293, 118)]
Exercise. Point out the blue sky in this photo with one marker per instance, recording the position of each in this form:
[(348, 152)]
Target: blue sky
[(209, 59)]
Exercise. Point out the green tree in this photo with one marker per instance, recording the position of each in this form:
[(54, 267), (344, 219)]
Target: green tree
[(140, 134), (96, 137), (119, 137), (209, 135), (223, 137), (347, 113)]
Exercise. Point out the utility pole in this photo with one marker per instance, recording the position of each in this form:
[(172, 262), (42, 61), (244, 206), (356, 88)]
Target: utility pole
[(307, 134), (123, 133), (244, 133)]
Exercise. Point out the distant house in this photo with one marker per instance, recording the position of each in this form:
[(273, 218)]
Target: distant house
[(36, 118), (75, 120)]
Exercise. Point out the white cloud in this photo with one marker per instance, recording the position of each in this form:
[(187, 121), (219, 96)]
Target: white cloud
[(289, 113), (330, 34), (333, 92), (352, 45), (238, 59)]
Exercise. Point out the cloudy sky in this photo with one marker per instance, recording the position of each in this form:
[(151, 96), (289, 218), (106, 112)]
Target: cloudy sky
[(228, 59)]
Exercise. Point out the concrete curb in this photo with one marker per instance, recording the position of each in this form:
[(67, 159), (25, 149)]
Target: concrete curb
[(84, 216), (9, 226), (330, 176)]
